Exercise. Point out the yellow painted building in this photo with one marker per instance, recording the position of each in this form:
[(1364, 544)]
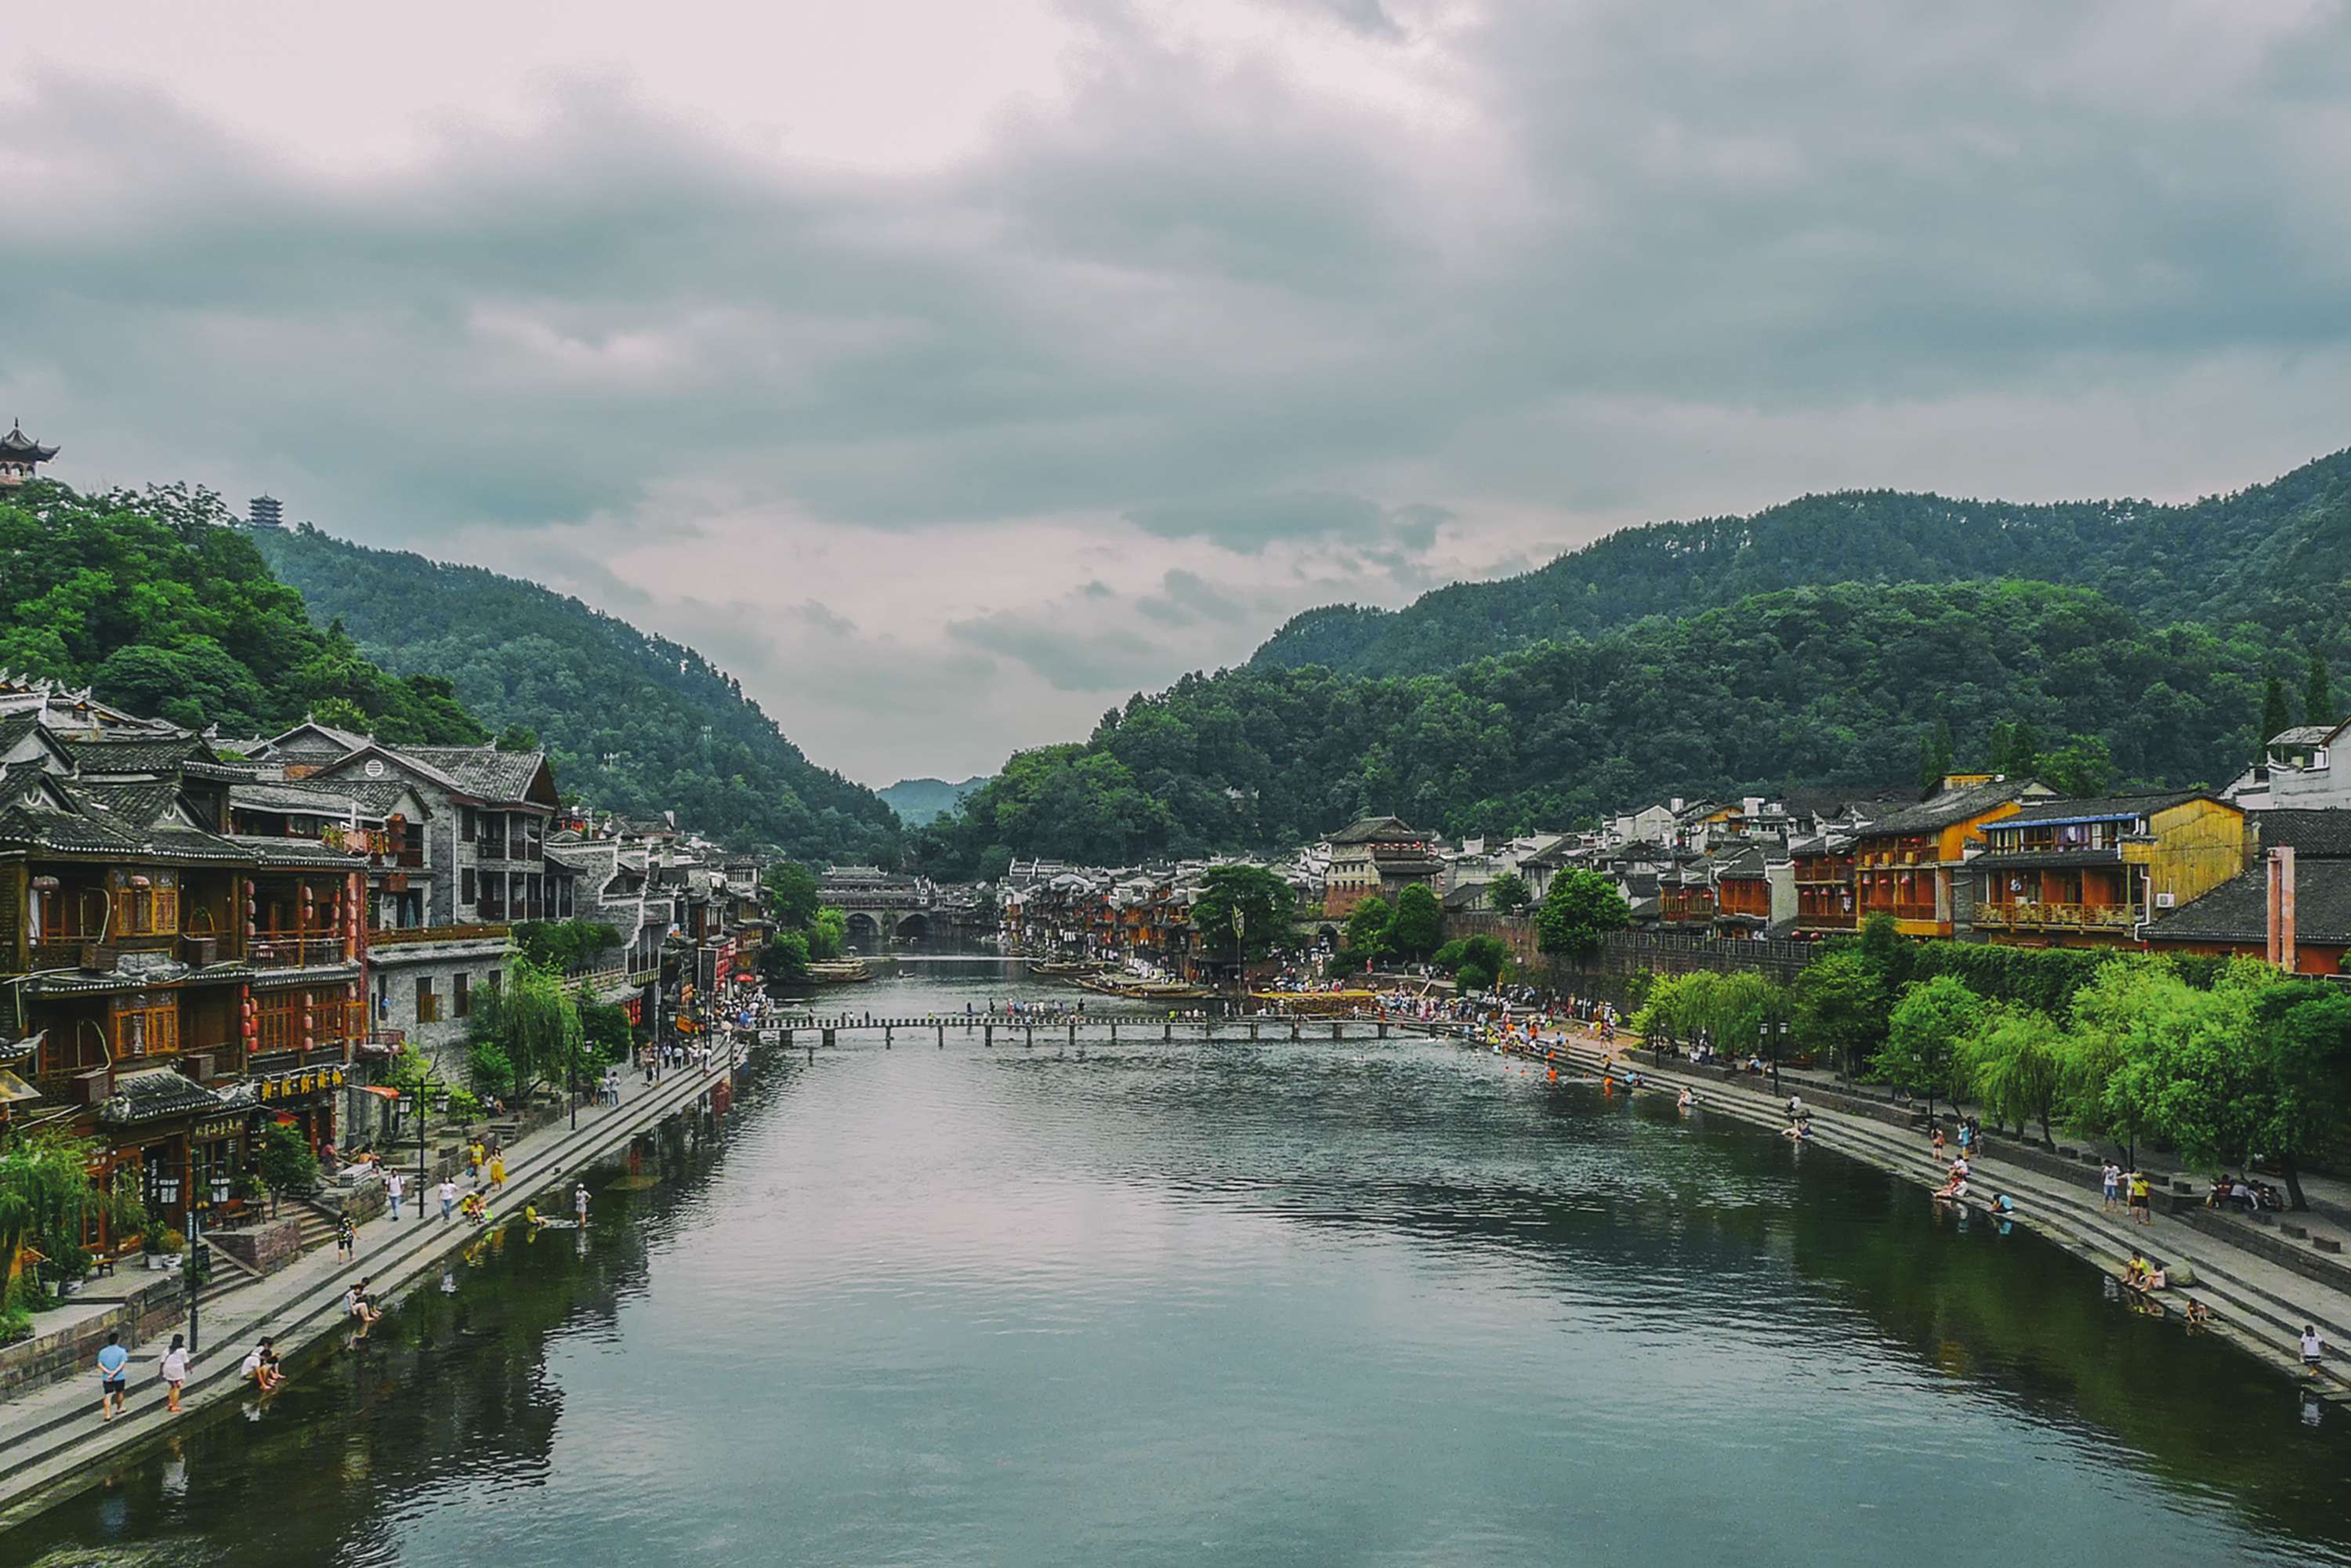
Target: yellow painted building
[(2094, 872)]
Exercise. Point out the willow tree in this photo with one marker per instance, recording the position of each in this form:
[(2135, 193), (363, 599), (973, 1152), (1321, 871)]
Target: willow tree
[(47, 1199), (532, 1023)]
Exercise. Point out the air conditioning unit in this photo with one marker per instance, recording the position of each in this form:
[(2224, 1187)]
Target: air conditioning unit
[(2164, 900)]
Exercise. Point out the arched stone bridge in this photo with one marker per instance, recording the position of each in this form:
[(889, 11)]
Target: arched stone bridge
[(883, 906)]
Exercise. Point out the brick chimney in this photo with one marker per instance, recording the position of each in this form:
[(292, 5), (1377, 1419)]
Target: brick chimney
[(2281, 907)]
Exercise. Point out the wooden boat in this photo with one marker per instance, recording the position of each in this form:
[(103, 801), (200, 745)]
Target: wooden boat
[(839, 971)]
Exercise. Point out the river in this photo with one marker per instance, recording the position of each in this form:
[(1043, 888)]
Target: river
[(1387, 1302)]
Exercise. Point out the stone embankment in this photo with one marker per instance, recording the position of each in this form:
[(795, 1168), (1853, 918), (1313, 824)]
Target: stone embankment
[(56, 1441), (2260, 1301)]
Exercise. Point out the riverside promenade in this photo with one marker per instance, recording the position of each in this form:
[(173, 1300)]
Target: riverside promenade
[(52, 1439), (2258, 1303)]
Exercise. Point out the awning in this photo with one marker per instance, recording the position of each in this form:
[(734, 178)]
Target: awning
[(380, 1090)]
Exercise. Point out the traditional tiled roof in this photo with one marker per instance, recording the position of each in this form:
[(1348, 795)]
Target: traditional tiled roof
[(2303, 735), (2047, 860), (2311, 834), (139, 754), (483, 771), (324, 798), (2238, 910), (1377, 830), (155, 1094), (1949, 808), (2106, 808)]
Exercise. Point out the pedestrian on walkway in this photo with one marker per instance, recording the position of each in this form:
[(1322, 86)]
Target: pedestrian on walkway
[(347, 1239), (1935, 1141), (394, 1184), (2142, 1205), (174, 1372), (2314, 1350), (497, 1173), (447, 1193), (113, 1375), (579, 1203), (2110, 1184)]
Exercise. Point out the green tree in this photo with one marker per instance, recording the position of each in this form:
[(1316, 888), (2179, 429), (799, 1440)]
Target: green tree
[(2276, 716), (1922, 1038), (1507, 892), (1242, 913), (2084, 766), (793, 896), (2302, 1043), (1367, 929), (2014, 1061), (2119, 1017), (828, 934), (1841, 1004), (287, 1166), (518, 738), (2319, 693), (1417, 925), (1579, 909), (534, 1021), (47, 1200), (784, 961)]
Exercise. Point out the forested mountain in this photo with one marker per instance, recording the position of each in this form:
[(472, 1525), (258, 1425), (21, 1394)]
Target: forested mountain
[(2277, 556), (919, 801), (1841, 684), (148, 598), (634, 722)]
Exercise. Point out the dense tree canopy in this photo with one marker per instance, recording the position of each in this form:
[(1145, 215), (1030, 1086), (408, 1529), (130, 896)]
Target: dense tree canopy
[(1818, 686), (163, 609), (634, 722), (2275, 555)]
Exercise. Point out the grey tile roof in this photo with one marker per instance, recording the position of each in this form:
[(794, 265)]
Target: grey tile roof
[(2103, 809), (2311, 834), (1370, 830), (2238, 910), (155, 1094), (483, 771), (141, 754), (1948, 808)]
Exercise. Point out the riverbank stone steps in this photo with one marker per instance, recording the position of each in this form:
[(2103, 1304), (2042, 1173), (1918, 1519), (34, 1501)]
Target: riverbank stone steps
[(2258, 1305), (55, 1441)]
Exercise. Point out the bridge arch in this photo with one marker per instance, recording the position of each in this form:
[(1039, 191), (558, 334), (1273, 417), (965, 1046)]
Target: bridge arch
[(865, 931), (913, 926)]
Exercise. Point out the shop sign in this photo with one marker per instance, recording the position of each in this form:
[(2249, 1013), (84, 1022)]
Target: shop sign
[(302, 1080)]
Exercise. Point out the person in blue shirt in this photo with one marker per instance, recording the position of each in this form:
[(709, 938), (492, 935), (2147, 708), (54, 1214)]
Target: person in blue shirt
[(113, 1377)]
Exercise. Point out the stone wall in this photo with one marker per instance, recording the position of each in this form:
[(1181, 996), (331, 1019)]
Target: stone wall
[(68, 1352), (1624, 954), (263, 1248)]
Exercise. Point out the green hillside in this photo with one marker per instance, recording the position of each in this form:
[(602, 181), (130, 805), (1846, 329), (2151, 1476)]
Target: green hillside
[(920, 801), (1836, 686), (150, 599), (2277, 556), (634, 722)]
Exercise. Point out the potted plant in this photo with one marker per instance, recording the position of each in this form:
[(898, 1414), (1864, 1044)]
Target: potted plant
[(170, 1247)]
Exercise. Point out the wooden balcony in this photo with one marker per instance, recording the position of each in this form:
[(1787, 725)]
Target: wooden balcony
[(2026, 916), (285, 950), (403, 935)]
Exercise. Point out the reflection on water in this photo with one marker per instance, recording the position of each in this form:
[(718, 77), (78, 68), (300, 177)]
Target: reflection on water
[(1362, 1302)]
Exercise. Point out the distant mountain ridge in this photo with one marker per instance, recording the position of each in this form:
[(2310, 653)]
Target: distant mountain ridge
[(921, 801), (634, 722), (2276, 555)]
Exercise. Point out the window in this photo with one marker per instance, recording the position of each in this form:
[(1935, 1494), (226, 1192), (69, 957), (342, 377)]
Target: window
[(466, 823), (147, 1026), (462, 999), (495, 979), (280, 1023), (465, 886), (147, 906), (428, 1006)]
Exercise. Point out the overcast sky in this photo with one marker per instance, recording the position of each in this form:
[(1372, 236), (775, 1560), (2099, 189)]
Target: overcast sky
[(949, 370)]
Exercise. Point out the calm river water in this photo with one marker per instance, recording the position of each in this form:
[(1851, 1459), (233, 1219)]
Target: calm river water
[(1388, 1304)]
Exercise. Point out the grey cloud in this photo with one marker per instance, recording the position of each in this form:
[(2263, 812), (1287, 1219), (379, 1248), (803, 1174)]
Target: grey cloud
[(1185, 599), (1620, 245), (1070, 658)]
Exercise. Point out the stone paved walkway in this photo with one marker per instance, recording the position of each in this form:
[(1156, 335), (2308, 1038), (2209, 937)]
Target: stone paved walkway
[(55, 1432)]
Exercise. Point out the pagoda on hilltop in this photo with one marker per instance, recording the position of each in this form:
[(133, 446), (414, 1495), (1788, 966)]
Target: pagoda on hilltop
[(18, 452)]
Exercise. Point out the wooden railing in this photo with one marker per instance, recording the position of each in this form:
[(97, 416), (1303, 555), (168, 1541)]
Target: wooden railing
[(277, 951), (480, 932), (2058, 916)]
